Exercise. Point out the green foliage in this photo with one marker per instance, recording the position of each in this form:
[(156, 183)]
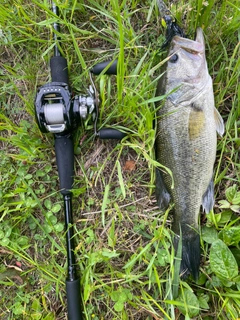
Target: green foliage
[(123, 243), (120, 297), (233, 199), (189, 303), (222, 261)]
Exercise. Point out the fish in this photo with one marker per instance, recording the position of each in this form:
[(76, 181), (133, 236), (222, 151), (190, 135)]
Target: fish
[(187, 124)]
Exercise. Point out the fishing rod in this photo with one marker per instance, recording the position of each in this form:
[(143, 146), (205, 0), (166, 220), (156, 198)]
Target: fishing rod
[(59, 113)]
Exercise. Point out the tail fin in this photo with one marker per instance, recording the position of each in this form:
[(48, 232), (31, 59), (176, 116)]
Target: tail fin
[(190, 254)]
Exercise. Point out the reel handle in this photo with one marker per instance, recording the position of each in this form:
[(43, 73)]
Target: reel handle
[(99, 67), (111, 69)]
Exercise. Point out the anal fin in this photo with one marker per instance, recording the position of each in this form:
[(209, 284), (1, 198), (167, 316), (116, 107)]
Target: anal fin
[(208, 198), (162, 195)]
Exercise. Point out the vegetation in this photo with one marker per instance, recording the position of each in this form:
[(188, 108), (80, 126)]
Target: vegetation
[(123, 242)]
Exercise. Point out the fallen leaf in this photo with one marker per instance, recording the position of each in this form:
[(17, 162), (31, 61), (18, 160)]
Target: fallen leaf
[(130, 165), (18, 264)]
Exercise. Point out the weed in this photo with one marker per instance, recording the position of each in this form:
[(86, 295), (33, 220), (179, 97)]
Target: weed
[(123, 242)]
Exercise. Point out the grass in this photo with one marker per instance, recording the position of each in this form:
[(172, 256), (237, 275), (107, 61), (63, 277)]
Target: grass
[(123, 242)]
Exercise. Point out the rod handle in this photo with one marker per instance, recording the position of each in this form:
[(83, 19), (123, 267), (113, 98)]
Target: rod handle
[(74, 300), (99, 67), (65, 162), (59, 69)]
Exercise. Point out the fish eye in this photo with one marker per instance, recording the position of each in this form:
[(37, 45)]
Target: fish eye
[(174, 58)]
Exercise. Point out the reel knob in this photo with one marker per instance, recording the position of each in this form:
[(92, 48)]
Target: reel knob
[(110, 133), (99, 67)]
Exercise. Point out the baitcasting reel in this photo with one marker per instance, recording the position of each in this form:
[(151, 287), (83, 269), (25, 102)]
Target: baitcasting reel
[(58, 112)]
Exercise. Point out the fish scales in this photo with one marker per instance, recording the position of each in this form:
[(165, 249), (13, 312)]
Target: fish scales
[(186, 141)]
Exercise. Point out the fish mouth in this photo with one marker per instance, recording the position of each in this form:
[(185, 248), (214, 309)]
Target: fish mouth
[(191, 47)]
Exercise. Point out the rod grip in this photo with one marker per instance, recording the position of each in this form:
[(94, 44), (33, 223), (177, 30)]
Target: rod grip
[(59, 69), (65, 162), (98, 68), (110, 133), (74, 300)]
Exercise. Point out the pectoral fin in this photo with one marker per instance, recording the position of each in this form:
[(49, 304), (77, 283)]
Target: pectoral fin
[(219, 122), (208, 198), (162, 195)]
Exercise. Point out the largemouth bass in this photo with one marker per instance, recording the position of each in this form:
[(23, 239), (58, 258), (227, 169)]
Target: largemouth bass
[(187, 126)]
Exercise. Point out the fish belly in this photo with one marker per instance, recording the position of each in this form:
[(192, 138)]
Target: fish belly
[(191, 161), (186, 144)]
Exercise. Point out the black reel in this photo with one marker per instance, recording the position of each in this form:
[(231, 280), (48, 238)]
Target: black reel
[(58, 112)]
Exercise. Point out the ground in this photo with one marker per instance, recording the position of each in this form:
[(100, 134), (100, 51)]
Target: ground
[(123, 241)]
